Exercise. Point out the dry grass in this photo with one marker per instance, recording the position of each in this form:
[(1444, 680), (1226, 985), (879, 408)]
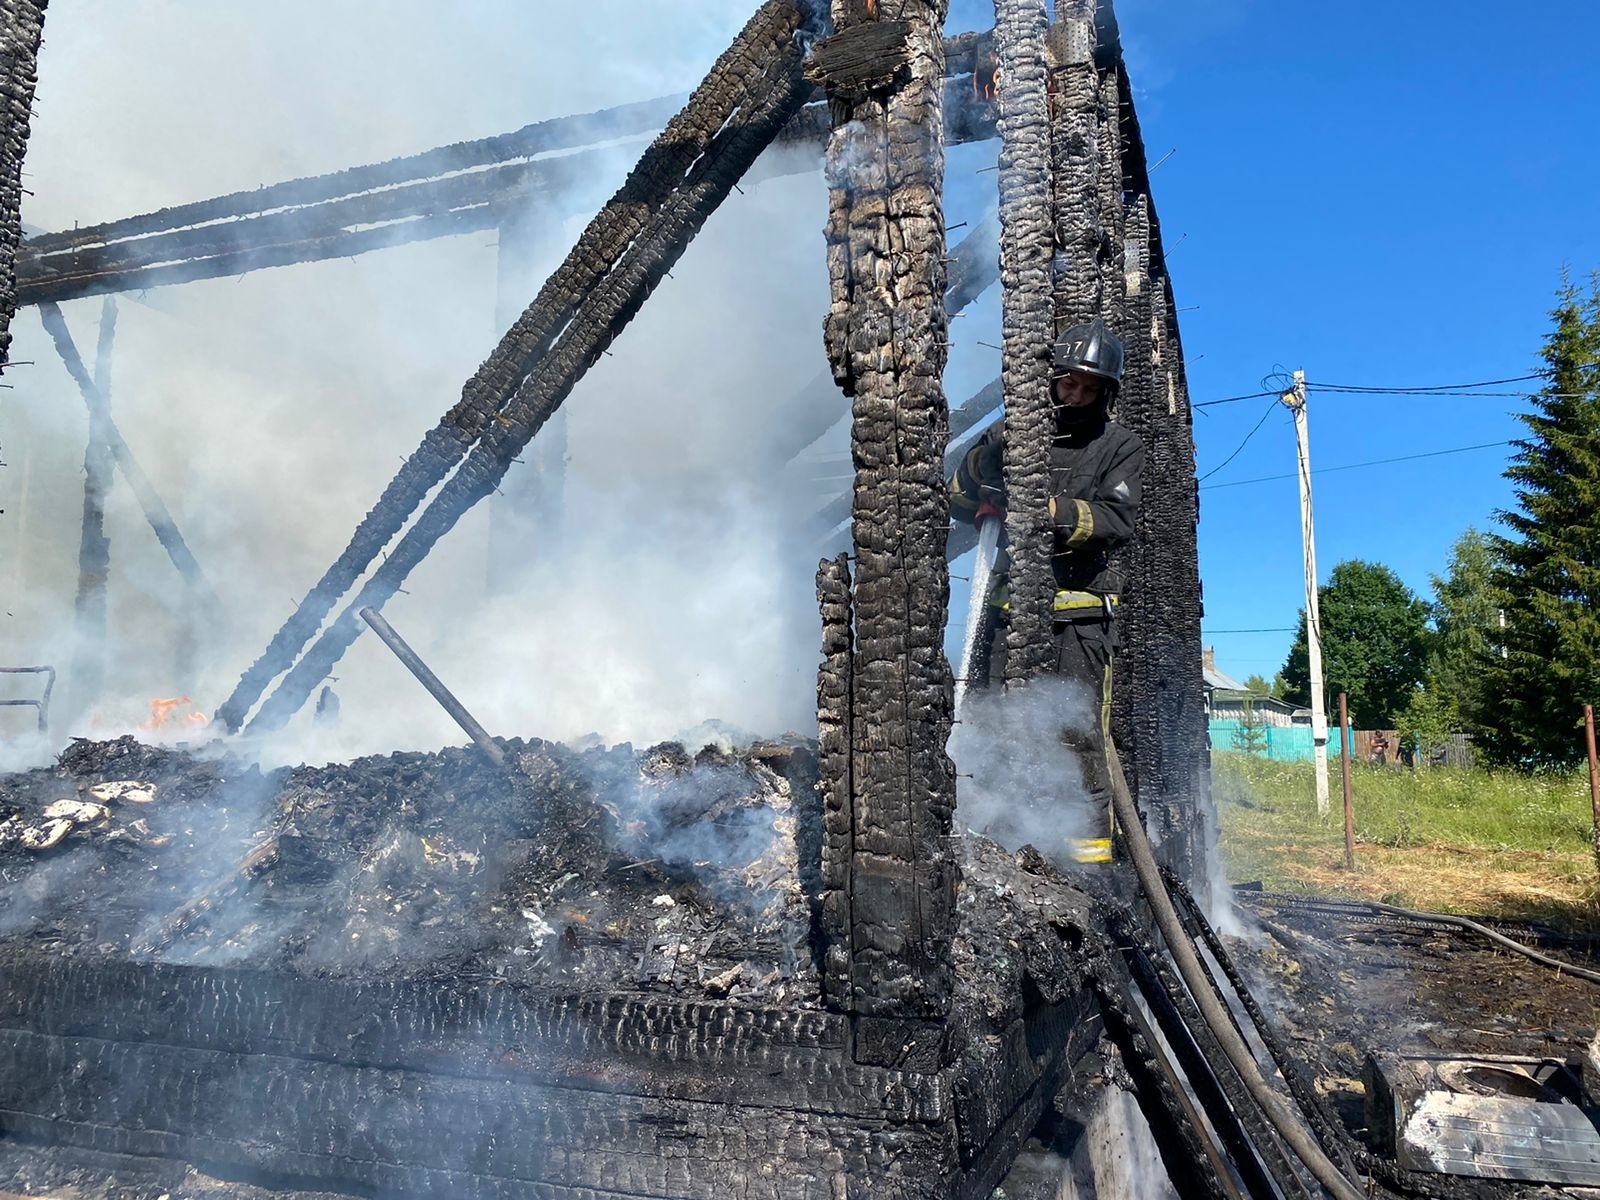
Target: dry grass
[(1445, 841)]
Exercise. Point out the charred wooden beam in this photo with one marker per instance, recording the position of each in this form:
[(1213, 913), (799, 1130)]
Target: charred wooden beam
[(1113, 214), (886, 336), (560, 133), (94, 549), (525, 514), (338, 227), (440, 193), (753, 91), (1131, 720), (1027, 251), (21, 26), (701, 154), (155, 509), (859, 60)]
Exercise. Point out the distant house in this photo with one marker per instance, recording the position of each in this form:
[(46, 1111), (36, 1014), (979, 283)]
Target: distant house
[(1285, 729)]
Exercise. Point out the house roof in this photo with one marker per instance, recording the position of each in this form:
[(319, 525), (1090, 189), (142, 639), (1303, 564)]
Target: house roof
[(1221, 682)]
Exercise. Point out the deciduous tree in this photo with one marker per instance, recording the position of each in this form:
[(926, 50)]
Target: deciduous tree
[(1375, 643)]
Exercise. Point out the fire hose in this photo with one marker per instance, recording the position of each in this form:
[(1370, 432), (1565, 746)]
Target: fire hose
[(1293, 1133), (1324, 1121), (977, 607)]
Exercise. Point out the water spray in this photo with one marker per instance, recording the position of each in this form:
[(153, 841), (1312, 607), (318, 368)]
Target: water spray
[(982, 569)]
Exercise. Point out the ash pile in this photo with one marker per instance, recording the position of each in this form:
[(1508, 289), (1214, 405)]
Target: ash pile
[(593, 868), (590, 973)]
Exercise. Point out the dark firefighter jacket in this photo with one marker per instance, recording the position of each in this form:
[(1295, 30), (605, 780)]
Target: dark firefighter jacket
[(1095, 474)]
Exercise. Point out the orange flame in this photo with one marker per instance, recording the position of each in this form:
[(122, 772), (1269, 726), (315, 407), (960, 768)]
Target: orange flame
[(986, 80), (165, 714)]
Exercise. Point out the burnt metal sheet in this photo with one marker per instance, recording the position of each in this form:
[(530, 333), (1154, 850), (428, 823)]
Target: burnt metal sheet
[(1483, 1116), (1498, 1137)]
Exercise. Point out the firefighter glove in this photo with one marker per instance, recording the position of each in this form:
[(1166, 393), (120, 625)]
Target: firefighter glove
[(988, 470)]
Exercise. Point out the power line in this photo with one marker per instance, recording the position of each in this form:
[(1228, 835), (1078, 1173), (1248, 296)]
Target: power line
[(1376, 462), (1424, 388), (1244, 443), (1426, 395), (1276, 629), (1233, 399)]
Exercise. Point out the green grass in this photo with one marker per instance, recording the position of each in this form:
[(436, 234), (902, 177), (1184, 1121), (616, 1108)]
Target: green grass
[(1447, 839)]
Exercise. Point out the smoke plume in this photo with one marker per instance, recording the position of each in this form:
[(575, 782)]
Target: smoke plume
[(270, 409)]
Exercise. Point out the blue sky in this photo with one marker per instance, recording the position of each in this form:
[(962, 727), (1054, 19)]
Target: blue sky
[(1382, 196)]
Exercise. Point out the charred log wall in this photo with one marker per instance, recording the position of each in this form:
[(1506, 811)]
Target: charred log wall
[(21, 26), (1108, 264), (885, 336), (430, 1089), (1161, 722)]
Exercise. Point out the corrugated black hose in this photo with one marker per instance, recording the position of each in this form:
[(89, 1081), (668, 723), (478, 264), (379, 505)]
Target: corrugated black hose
[(1290, 1129)]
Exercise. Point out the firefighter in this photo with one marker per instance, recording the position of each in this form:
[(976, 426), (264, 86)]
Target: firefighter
[(1095, 470)]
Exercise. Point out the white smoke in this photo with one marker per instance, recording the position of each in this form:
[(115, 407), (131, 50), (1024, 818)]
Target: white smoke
[(1019, 781), (270, 410), (1117, 1158)]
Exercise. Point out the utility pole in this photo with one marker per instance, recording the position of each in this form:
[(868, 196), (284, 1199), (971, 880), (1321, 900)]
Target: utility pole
[(1296, 400), (1594, 775)]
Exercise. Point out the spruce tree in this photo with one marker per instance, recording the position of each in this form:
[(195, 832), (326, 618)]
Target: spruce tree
[(1547, 566), (1465, 613)]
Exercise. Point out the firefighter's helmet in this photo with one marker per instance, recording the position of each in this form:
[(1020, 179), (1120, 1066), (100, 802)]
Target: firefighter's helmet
[(1092, 349)]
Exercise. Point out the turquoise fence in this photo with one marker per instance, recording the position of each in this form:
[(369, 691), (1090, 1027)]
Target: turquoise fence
[(1283, 743)]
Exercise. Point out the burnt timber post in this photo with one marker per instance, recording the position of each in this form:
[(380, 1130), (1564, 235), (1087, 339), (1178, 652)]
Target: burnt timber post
[(889, 862), (155, 509), (94, 548), (21, 26), (1027, 251)]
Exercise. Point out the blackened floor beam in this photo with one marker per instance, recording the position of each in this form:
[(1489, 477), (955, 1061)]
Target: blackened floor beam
[(638, 213), (155, 509), (21, 26), (886, 336), (759, 84)]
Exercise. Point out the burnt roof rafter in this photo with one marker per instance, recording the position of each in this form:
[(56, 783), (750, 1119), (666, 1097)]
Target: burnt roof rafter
[(461, 188)]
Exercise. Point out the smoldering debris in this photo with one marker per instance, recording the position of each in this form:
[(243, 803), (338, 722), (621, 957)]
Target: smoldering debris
[(619, 867)]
